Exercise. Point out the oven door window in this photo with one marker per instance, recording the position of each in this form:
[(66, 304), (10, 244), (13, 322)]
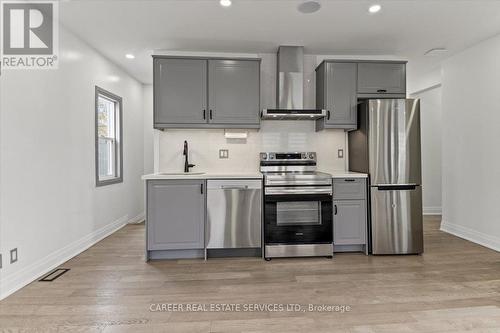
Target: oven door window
[(289, 213), (298, 219)]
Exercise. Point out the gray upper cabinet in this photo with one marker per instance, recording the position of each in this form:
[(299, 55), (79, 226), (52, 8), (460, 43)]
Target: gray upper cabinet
[(376, 78), (175, 214), (349, 227), (234, 91), (341, 83), (336, 92), (206, 93), (180, 92)]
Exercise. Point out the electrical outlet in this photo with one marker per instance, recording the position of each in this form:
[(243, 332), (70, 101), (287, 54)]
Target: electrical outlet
[(340, 153), (13, 255), (223, 153)]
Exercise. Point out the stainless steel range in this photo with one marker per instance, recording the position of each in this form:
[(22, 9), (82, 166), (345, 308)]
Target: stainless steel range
[(297, 206)]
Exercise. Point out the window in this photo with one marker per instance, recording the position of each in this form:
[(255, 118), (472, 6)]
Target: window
[(298, 213), (108, 138)]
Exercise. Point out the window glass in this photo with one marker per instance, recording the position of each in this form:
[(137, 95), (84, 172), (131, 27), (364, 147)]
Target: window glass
[(298, 212)]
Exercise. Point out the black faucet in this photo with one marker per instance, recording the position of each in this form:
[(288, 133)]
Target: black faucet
[(185, 153)]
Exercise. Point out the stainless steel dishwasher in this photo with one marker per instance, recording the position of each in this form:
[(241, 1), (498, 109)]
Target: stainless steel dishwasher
[(234, 214)]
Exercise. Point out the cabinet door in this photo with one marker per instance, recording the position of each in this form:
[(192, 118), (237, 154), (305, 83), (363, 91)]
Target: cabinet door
[(175, 214), (381, 78), (234, 90), (341, 94), (180, 91), (349, 222)]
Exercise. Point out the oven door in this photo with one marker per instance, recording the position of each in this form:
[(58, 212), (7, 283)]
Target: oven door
[(302, 218)]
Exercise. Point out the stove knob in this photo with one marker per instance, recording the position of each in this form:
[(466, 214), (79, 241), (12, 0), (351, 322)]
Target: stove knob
[(263, 156), (304, 156), (271, 156), (311, 156)]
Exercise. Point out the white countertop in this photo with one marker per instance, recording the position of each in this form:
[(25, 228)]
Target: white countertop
[(208, 175), (234, 175), (348, 174)]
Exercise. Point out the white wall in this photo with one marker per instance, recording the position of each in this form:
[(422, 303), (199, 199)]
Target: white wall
[(420, 81), (431, 130), (50, 208), (471, 144)]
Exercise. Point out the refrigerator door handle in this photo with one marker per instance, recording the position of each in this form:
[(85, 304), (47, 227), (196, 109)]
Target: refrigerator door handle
[(395, 187)]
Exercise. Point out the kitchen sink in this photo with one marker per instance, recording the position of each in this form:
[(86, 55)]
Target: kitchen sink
[(181, 173)]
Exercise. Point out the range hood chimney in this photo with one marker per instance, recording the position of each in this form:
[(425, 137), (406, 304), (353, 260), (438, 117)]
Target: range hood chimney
[(290, 87)]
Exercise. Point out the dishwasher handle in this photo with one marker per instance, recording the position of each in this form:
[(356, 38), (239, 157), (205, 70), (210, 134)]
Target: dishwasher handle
[(234, 187), (234, 184)]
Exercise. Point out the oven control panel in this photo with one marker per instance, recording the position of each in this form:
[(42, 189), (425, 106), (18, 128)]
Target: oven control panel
[(297, 156)]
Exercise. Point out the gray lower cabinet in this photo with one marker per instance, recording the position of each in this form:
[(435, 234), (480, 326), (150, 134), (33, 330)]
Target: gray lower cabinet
[(349, 226), (206, 93), (180, 92), (233, 92), (378, 79), (336, 93), (350, 215), (175, 215)]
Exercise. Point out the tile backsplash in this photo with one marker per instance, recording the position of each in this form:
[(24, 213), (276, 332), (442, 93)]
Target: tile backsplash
[(274, 135)]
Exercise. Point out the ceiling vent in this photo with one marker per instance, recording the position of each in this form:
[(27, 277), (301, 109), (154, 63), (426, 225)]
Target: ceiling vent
[(309, 7), (435, 52)]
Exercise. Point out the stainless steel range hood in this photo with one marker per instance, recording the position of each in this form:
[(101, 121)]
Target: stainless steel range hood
[(290, 88)]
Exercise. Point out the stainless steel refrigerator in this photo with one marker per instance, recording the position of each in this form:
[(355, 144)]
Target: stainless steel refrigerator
[(386, 145)]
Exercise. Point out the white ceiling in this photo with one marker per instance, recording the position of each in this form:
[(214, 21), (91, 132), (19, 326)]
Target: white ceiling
[(403, 28)]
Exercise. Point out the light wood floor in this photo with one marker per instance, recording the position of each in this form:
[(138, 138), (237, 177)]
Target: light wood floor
[(453, 287)]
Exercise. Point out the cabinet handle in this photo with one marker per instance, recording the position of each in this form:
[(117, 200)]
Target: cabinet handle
[(348, 180), (201, 188), (204, 114), (328, 115), (335, 210), (210, 114), (382, 90), (230, 187)]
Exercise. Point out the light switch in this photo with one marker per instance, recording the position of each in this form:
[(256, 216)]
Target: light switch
[(223, 153), (13, 255), (340, 153)]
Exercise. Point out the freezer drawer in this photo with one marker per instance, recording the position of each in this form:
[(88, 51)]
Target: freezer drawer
[(396, 219), (234, 214)]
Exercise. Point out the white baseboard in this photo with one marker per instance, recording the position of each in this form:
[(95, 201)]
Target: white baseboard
[(489, 241), (432, 210), (138, 219), (15, 281)]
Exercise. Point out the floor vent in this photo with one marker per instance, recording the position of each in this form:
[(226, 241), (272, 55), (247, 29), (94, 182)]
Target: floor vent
[(54, 274)]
